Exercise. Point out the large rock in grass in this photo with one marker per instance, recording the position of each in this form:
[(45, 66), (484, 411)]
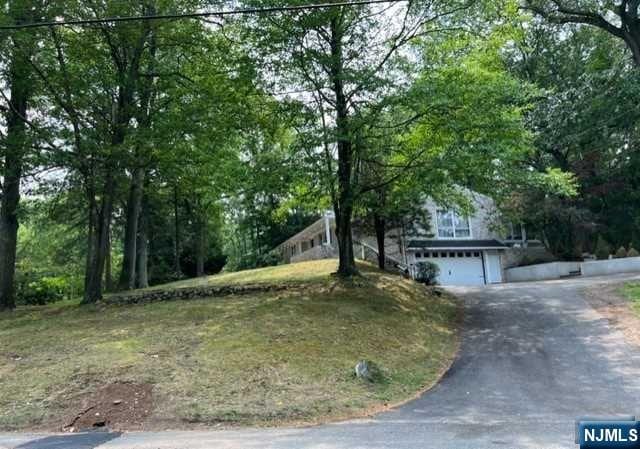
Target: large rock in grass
[(369, 371)]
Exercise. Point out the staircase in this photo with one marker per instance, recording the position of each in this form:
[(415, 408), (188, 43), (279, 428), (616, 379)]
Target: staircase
[(370, 254)]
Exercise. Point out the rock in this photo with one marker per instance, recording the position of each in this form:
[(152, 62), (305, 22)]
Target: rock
[(369, 371), (117, 402), (363, 370)]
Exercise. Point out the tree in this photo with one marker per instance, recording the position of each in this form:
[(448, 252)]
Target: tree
[(617, 17), (464, 129), (16, 144), (585, 123), (346, 60)]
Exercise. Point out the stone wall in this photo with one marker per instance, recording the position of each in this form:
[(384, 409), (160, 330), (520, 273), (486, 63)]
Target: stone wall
[(147, 296)]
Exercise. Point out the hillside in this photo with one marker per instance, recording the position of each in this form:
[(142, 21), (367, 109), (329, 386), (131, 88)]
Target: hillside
[(259, 359)]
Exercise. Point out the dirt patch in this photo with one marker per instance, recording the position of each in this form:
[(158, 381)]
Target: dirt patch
[(117, 406), (612, 305)]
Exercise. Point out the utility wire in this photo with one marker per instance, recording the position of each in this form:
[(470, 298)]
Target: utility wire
[(195, 15)]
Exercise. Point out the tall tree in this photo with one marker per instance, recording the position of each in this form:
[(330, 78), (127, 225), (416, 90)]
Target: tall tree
[(344, 60), (15, 144), (617, 17)]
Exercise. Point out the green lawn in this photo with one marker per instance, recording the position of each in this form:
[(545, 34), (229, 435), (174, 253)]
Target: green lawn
[(303, 272), (632, 291), (264, 359)]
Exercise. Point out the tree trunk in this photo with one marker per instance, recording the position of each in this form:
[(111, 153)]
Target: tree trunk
[(93, 287), (201, 243), (15, 147), (108, 268), (127, 279), (380, 226), (344, 209), (143, 249), (176, 239)]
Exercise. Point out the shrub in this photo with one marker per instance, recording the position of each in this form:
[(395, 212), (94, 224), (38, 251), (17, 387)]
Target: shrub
[(427, 273), (621, 253), (43, 290), (603, 249), (633, 252)]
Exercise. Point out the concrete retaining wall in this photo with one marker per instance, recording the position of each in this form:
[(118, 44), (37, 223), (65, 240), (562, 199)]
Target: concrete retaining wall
[(554, 270), (316, 253), (613, 266)]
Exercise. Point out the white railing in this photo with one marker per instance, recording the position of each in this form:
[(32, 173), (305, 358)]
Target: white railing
[(389, 260)]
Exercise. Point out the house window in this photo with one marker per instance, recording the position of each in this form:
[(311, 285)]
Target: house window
[(418, 255), (452, 225), (515, 232)]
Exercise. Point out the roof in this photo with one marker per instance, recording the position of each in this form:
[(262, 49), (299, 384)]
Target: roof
[(456, 244)]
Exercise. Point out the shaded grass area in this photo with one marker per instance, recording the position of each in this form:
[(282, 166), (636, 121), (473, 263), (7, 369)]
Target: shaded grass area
[(632, 292), (267, 359), (303, 272)]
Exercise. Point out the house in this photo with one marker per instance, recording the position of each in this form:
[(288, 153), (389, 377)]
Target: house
[(469, 250)]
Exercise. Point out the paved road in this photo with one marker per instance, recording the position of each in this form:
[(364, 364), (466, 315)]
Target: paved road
[(534, 357)]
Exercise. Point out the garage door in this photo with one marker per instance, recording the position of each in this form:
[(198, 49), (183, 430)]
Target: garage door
[(458, 268)]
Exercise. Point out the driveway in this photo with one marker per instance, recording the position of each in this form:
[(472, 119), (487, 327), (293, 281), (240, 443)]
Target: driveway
[(535, 356)]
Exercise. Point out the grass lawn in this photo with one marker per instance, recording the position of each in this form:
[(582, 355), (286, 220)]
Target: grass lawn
[(632, 291), (261, 359), (303, 272)]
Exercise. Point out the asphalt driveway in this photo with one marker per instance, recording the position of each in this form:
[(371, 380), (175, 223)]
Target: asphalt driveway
[(535, 356)]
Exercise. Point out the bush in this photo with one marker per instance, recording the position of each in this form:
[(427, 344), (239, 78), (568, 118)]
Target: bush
[(621, 253), (603, 249), (43, 290), (633, 252), (427, 273)]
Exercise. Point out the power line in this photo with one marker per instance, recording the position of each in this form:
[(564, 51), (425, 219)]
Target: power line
[(195, 15)]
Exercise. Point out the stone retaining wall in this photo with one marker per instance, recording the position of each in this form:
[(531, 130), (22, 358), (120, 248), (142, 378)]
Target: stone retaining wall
[(143, 297)]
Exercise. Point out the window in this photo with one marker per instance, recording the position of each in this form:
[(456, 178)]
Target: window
[(476, 254), (460, 254), (515, 232), (418, 255), (452, 254), (452, 225), (435, 255), (443, 254), (427, 255), (468, 254)]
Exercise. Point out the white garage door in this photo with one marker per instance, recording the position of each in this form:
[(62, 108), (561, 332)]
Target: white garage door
[(457, 268)]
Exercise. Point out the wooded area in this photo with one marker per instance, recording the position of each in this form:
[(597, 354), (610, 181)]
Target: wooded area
[(143, 151)]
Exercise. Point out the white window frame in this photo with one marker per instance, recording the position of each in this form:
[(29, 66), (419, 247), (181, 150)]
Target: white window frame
[(454, 215), (511, 228)]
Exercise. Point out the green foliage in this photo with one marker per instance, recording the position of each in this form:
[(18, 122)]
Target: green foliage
[(603, 249), (585, 122), (621, 253), (45, 290), (427, 273)]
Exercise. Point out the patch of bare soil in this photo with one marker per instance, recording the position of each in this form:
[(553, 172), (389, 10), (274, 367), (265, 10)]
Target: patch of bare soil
[(608, 301), (117, 406)]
